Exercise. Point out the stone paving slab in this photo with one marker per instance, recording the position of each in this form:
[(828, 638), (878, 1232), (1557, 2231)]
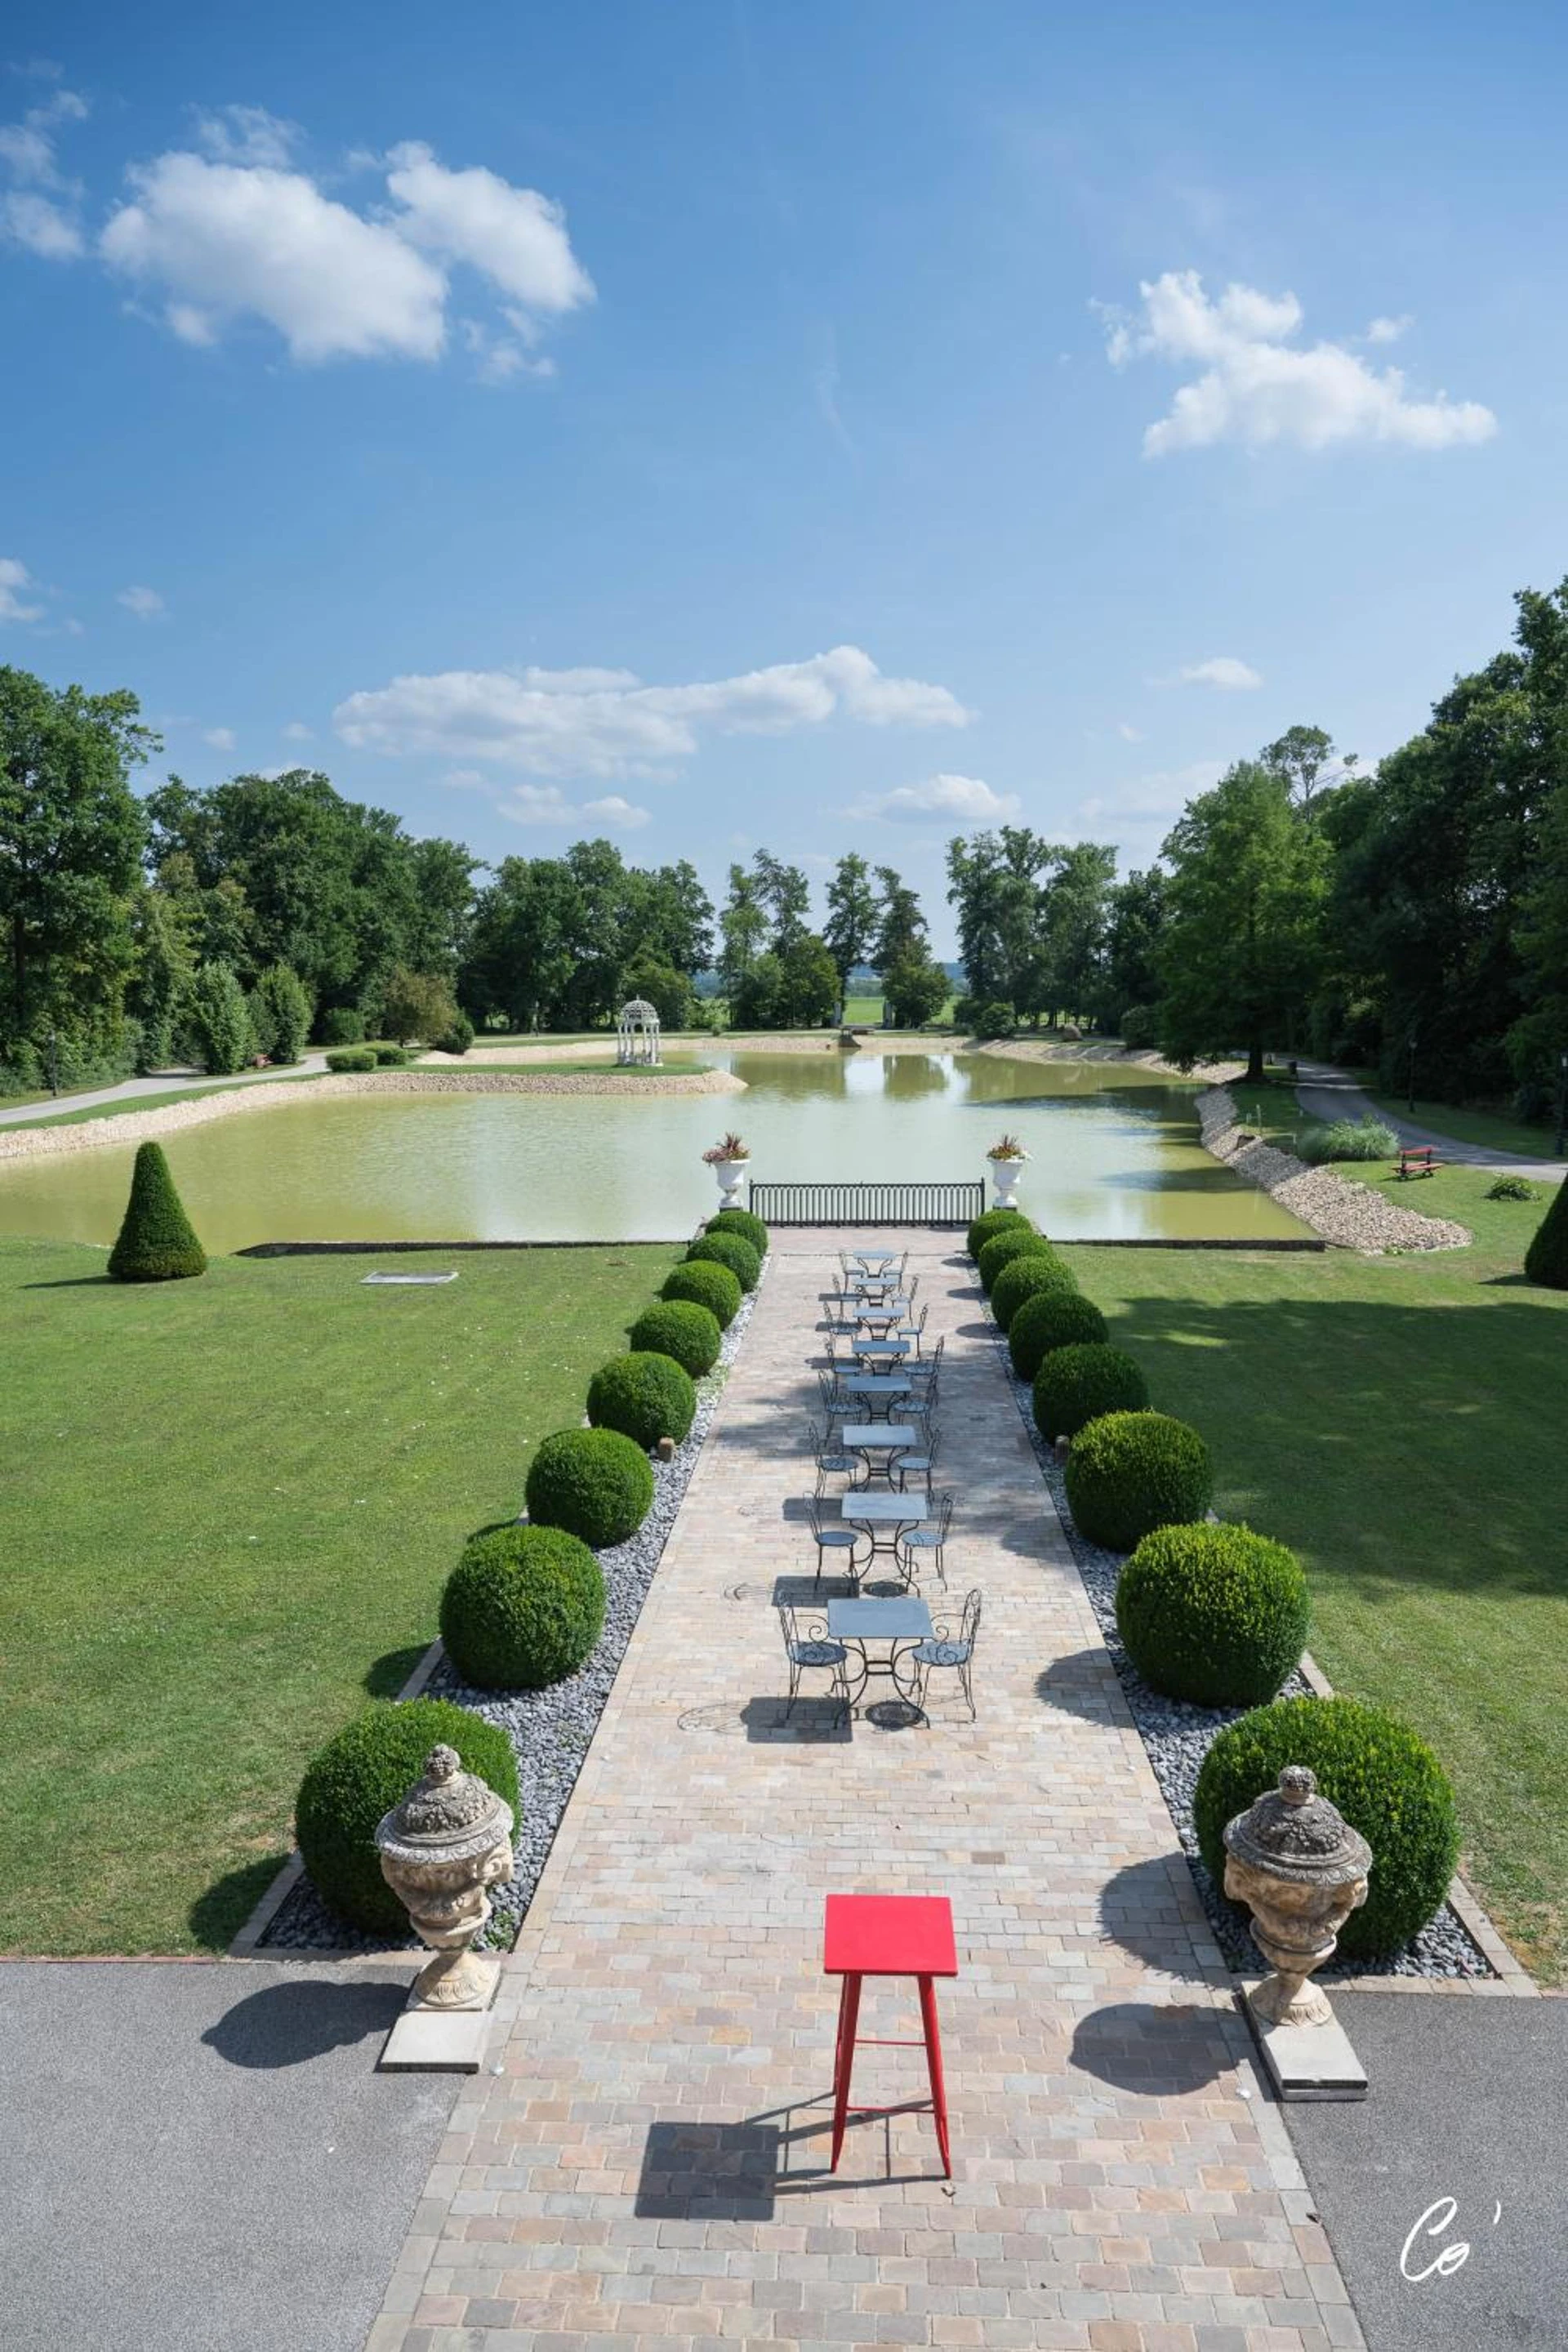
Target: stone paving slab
[(649, 2158)]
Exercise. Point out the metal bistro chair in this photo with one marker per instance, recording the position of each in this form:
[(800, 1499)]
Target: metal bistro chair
[(913, 1329), (807, 1650), (926, 1371), (920, 1463), (831, 1457), (928, 1541), (951, 1648), (851, 1544), (838, 1404)]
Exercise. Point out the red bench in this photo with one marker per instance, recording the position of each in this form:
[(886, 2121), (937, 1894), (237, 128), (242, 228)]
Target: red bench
[(1418, 1160)]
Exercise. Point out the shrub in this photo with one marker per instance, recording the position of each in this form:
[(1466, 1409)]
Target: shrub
[(157, 1241), (1513, 1188), (220, 1020), (646, 1396), (1025, 1276), (1081, 1382), (730, 1250), (1032, 1332), (417, 1004), (457, 1037), (1003, 1248), (1217, 1615), (523, 1606), (284, 1005), (351, 1057), (1386, 1781), (682, 1331), (741, 1220), (713, 1286), (1140, 1028), (1347, 1138), (994, 1020), (389, 1058), (359, 1776), (594, 1482), (1131, 1472), (1546, 1259), (992, 1222), (342, 1024)]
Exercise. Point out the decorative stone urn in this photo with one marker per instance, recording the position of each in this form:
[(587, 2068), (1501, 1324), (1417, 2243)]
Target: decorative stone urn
[(440, 1849), (1301, 1869), (730, 1175), (1006, 1175)]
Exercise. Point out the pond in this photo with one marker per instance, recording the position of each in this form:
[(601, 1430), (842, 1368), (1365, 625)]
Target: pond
[(1113, 1155)]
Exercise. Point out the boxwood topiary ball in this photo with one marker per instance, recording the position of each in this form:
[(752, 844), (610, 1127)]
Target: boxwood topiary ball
[(730, 1250), (992, 1222), (1217, 1615), (1078, 1383), (741, 1220), (645, 1396), (676, 1327), (523, 1606), (1386, 1781), (1025, 1275), (361, 1774), (705, 1284), (594, 1482), (1050, 1320), (1131, 1472), (1003, 1248)]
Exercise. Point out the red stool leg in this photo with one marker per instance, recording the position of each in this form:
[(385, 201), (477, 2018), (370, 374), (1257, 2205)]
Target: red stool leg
[(844, 2058), (933, 2065)]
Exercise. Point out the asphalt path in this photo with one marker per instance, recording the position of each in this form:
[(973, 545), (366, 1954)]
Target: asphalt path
[(131, 1090), (1462, 2141), (1325, 1092), (201, 2158)]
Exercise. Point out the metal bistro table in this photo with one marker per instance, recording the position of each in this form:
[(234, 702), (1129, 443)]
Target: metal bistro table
[(901, 1624), (870, 1258), (878, 1351), (870, 1386), (892, 1512), (886, 1438)]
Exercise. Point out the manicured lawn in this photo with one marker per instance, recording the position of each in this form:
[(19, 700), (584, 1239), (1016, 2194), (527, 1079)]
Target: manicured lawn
[(1400, 1421), (229, 1506), (1474, 1125)]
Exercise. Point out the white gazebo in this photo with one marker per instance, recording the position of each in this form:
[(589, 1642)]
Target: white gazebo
[(637, 1035)]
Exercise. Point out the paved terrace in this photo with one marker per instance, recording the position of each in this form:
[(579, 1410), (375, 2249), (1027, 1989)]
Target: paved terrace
[(648, 2160)]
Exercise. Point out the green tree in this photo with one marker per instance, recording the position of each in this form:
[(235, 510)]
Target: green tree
[(1303, 758), (220, 1020), (1242, 942), (915, 989), (743, 930), (851, 924), (785, 893), (1074, 912), (417, 1004), (165, 966), (994, 889), (902, 933), (1135, 919), (287, 1010), (667, 990)]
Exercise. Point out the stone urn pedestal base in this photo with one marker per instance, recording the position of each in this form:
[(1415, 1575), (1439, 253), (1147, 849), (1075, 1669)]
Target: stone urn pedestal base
[(449, 2037), (1304, 2062)]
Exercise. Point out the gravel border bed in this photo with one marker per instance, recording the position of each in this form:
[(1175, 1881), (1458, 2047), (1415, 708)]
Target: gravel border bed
[(550, 1730), (1177, 1736)]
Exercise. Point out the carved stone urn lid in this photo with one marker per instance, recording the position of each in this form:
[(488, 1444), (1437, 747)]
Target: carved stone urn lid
[(448, 1815), (1293, 1832)]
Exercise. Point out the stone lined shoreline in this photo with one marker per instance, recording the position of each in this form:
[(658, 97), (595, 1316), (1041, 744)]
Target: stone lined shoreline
[(139, 1126), (1352, 1216)]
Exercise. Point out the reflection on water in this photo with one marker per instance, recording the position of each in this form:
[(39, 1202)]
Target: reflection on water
[(1114, 1153)]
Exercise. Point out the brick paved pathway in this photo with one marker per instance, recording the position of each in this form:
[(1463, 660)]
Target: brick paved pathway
[(648, 2159)]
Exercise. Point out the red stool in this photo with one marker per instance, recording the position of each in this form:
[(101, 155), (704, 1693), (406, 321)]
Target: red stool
[(888, 1936)]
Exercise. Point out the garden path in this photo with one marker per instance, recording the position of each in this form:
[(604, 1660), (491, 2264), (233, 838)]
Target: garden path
[(133, 1090), (1325, 1092), (646, 2155)]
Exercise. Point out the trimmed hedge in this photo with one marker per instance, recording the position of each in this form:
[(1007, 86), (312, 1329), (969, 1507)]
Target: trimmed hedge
[(730, 1250), (1217, 1615), (1131, 1472), (990, 1222), (1025, 1276), (713, 1286), (645, 1396), (392, 1058), (741, 1220), (1386, 1781), (1080, 1383), (1546, 1259), (1003, 1248), (157, 1241), (361, 1774), (679, 1329), (351, 1057), (1052, 1319), (523, 1606), (594, 1482)]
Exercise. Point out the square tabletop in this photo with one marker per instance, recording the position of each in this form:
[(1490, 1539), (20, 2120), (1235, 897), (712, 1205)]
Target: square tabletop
[(878, 1621), (870, 1257), (886, 1510), (892, 1435), (876, 1384), (881, 1348), (888, 1935), (887, 1311)]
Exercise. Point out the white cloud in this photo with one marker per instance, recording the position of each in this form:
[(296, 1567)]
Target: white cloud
[(962, 800), (220, 738), (547, 804), (1257, 387), (1224, 670), (249, 135), (607, 724), (40, 225), (1388, 331), (514, 236), (297, 732), (1129, 734), (40, 213), (15, 580), (145, 603)]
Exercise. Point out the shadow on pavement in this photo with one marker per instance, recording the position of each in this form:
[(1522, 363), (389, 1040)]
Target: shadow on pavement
[(1160, 2053), (289, 2025)]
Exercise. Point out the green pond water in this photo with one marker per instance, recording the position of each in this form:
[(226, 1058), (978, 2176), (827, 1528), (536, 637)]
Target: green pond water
[(1113, 1154)]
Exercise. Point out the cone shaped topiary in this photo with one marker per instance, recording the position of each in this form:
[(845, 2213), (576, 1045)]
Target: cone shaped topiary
[(1546, 1259), (157, 1241)]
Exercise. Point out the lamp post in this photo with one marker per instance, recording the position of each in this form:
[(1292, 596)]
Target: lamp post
[(1410, 1080), (1563, 1106)]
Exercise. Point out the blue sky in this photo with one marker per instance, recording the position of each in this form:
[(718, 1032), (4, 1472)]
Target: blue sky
[(819, 426)]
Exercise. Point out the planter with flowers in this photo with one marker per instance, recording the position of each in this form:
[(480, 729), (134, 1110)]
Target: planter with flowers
[(729, 1158), (1006, 1156)]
